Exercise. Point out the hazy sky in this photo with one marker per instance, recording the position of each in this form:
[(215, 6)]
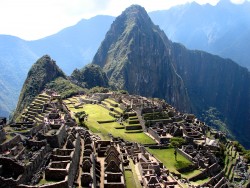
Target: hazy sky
[(34, 19)]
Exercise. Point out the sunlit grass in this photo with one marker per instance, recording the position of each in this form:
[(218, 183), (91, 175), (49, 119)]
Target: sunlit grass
[(98, 113), (168, 158)]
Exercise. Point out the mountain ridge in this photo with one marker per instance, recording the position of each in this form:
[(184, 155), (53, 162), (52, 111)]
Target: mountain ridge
[(220, 29), (138, 57), (41, 73), (176, 20)]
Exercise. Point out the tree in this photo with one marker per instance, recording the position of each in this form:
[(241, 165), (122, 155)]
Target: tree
[(81, 116), (176, 142)]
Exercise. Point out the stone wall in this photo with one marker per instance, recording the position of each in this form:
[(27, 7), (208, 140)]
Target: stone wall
[(75, 161), (16, 177), (154, 134), (2, 135), (35, 129), (57, 140), (184, 154), (11, 143), (60, 184), (65, 109), (35, 162), (62, 154), (39, 144)]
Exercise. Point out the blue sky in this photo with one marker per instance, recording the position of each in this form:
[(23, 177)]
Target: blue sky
[(34, 19)]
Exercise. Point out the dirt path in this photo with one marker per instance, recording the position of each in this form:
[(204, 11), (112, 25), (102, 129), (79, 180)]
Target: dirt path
[(101, 160)]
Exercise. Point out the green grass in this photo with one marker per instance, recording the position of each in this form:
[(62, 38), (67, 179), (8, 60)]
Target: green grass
[(44, 181), (167, 157), (230, 162), (191, 174), (135, 177), (111, 101), (98, 113), (129, 177), (109, 106)]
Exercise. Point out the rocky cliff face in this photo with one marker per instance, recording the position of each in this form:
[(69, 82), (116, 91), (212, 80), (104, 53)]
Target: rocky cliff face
[(90, 76), (138, 57), (212, 81), (134, 56), (41, 73)]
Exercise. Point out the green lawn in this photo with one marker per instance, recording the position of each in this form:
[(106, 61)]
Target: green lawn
[(44, 182), (136, 180), (191, 174), (168, 159), (129, 177), (98, 113), (111, 101), (109, 105)]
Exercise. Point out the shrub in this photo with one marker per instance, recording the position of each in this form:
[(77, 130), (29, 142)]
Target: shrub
[(176, 142)]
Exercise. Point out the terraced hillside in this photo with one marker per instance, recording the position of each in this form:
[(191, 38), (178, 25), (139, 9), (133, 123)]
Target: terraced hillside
[(105, 120), (36, 111)]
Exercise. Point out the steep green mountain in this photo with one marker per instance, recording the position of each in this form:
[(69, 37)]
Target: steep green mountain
[(90, 76), (42, 72), (134, 56), (222, 29), (138, 57)]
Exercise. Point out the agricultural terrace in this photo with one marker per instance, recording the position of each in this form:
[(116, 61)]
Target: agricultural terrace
[(99, 114), (100, 121)]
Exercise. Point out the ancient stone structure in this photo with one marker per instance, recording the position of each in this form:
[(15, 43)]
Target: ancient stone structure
[(46, 149)]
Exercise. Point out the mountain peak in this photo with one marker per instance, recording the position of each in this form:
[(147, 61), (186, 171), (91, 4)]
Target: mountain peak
[(135, 13), (42, 72), (135, 57), (134, 10)]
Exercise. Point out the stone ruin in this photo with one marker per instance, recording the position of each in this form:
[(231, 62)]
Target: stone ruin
[(49, 148)]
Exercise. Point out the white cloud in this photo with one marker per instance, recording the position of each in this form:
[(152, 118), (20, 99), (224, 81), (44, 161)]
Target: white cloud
[(33, 19), (238, 1)]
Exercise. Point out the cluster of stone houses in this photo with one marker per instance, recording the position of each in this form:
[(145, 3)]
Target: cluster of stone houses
[(46, 148), (164, 122)]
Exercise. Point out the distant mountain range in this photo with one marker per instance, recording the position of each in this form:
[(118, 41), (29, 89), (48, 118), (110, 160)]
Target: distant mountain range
[(223, 29)]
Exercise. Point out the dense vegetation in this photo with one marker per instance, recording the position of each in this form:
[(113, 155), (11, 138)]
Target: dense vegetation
[(41, 73), (215, 119), (90, 76), (64, 87)]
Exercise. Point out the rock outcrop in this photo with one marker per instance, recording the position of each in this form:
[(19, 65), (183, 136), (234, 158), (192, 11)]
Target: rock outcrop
[(135, 58)]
